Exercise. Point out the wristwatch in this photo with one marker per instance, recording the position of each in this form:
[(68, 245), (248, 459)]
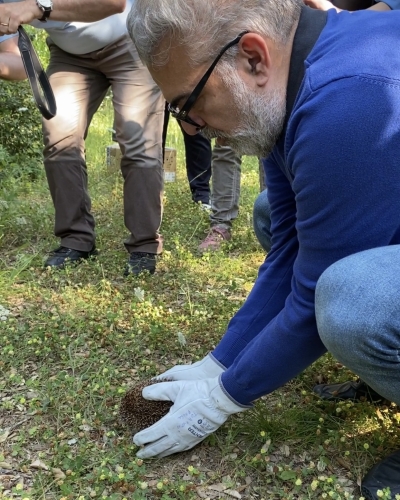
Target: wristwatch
[(46, 6)]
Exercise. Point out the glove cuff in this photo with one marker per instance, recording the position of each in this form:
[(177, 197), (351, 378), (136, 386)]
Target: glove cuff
[(213, 366), (224, 401)]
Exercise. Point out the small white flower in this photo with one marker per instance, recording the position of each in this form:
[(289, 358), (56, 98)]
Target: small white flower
[(22, 109)]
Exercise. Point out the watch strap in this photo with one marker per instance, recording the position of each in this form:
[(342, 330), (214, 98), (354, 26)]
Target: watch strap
[(46, 11)]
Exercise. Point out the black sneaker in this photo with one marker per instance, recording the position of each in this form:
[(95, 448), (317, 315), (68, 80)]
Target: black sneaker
[(140, 262), (386, 474), (348, 390), (61, 256)]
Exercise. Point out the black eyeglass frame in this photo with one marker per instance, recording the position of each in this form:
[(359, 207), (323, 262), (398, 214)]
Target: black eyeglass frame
[(182, 114)]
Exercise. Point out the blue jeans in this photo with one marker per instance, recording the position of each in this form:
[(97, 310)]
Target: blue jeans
[(357, 307)]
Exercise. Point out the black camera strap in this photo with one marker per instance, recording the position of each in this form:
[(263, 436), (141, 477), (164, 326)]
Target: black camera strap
[(37, 76)]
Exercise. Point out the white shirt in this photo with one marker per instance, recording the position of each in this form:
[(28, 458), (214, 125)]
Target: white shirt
[(82, 38)]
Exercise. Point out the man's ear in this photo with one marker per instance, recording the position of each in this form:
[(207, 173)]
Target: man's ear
[(254, 58)]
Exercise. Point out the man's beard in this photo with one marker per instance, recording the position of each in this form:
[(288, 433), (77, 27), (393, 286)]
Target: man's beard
[(261, 118)]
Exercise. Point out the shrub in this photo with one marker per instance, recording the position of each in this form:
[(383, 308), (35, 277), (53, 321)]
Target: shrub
[(20, 131)]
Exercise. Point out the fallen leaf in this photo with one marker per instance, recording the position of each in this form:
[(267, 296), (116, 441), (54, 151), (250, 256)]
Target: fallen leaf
[(233, 493), (58, 474), (217, 487), (85, 428), (341, 461), (38, 464), (5, 465), (285, 450), (4, 436)]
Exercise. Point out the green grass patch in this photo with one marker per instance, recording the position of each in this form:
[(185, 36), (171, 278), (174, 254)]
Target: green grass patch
[(71, 342)]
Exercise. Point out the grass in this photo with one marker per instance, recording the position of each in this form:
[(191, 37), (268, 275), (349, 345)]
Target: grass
[(71, 342)]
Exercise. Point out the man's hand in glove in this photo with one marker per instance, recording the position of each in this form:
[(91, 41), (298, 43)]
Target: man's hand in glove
[(207, 367), (200, 407)]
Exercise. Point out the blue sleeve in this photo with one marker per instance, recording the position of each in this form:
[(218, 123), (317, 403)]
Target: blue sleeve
[(343, 150), (272, 286), (393, 4)]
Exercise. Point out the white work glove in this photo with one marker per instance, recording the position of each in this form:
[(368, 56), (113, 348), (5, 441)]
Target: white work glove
[(200, 407), (207, 367)]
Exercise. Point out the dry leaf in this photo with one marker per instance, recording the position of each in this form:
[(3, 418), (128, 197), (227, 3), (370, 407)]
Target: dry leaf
[(58, 474), (85, 428), (233, 493), (344, 463), (285, 450), (3, 437), (217, 487), (5, 465), (38, 464)]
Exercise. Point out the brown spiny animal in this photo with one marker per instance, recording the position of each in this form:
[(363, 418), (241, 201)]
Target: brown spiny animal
[(138, 413)]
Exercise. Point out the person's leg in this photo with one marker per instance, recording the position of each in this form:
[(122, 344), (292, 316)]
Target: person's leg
[(139, 114), (358, 318), (198, 166), (226, 172), (79, 90), (262, 220)]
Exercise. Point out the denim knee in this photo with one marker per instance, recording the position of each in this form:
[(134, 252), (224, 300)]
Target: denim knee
[(262, 220), (358, 319), (337, 328)]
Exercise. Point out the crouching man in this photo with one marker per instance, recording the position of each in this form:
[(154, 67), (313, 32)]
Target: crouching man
[(308, 91)]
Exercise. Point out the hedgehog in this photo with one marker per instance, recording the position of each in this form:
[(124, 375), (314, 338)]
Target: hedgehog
[(138, 413)]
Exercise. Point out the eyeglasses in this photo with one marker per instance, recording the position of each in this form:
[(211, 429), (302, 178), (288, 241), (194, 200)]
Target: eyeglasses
[(183, 114)]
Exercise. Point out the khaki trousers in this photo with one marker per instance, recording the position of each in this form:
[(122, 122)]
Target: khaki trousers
[(80, 84)]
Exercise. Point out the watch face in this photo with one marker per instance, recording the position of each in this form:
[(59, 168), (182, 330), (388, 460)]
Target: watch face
[(47, 4)]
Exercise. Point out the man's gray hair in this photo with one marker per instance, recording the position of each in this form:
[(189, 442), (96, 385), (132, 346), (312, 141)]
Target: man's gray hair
[(203, 27)]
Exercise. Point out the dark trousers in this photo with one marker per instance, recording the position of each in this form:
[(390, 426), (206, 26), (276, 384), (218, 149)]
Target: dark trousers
[(80, 83), (198, 163)]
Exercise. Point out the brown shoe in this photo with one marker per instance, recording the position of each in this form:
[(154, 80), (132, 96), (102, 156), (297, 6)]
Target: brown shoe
[(214, 239)]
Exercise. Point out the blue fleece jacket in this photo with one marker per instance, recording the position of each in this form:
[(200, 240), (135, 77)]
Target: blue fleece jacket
[(334, 188)]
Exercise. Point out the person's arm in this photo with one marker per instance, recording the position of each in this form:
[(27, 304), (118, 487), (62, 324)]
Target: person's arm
[(11, 66), (326, 5), (346, 192), (347, 200), (14, 14)]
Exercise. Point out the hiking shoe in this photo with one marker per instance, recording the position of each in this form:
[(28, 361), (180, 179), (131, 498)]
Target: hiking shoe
[(348, 390), (214, 239), (61, 256), (386, 474), (139, 262)]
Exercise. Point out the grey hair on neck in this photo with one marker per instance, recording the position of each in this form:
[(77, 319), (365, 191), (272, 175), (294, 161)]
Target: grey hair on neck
[(203, 27)]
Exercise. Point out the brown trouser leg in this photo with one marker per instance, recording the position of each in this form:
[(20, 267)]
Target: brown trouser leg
[(80, 84)]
